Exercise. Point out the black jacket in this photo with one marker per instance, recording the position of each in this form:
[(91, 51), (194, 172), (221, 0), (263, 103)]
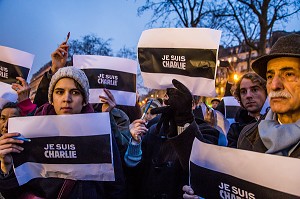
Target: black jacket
[(160, 173), (243, 119)]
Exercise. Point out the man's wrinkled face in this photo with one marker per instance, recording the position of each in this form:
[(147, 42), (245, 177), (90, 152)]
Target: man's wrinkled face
[(283, 85)]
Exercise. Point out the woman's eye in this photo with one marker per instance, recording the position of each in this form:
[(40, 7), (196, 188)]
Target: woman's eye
[(59, 92)]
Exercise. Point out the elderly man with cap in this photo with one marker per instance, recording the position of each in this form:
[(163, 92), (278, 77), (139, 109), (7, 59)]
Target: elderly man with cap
[(279, 131)]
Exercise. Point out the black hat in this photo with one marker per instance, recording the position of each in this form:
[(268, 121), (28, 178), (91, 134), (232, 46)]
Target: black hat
[(217, 100), (287, 46)]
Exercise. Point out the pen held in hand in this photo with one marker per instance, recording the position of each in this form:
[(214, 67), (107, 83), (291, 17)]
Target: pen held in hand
[(23, 139), (146, 109), (68, 36)]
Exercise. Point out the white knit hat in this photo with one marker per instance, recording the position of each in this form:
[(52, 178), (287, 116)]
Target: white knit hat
[(8, 97), (73, 73)]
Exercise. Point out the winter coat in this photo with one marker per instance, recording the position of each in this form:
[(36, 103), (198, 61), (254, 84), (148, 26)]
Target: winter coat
[(250, 140), (183, 142), (243, 119), (160, 174)]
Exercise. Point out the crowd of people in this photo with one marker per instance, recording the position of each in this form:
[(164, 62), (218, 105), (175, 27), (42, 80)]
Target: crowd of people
[(151, 154)]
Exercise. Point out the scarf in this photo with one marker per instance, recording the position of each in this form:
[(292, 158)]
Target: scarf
[(278, 138)]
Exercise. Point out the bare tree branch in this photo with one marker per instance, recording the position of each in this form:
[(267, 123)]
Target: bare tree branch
[(189, 13)]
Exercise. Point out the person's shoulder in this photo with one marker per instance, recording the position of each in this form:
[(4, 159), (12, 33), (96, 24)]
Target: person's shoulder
[(235, 128), (234, 124), (249, 128), (252, 127), (119, 113), (248, 135)]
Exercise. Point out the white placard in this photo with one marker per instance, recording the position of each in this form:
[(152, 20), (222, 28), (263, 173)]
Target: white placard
[(219, 172), (13, 63), (62, 147), (186, 54), (114, 73)]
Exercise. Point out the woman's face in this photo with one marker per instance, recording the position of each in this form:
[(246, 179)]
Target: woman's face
[(67, 99), (5, 114)]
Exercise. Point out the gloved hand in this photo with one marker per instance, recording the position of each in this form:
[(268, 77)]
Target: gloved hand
[(178, 111), (180, 102)]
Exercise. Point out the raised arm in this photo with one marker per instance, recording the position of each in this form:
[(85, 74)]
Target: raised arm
[(59, 59), (133, 154)]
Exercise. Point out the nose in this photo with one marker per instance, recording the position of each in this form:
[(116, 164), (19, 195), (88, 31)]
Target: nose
[(276, 83), (249, 94), (67, 97)]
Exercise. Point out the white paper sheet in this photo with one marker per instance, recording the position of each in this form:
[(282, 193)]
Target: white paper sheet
[(62, 146), (116, 65), (264, 172), (13, 57), (185, 43)]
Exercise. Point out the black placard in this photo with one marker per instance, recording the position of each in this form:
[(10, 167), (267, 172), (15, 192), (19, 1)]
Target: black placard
[(111, 79), (9, 72), (59, 150), (181, 61), (212, 184)]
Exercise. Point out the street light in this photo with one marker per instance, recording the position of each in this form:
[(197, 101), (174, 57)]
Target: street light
[(235, 77)]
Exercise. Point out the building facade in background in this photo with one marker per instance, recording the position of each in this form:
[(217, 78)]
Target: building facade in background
[(241, 58)]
